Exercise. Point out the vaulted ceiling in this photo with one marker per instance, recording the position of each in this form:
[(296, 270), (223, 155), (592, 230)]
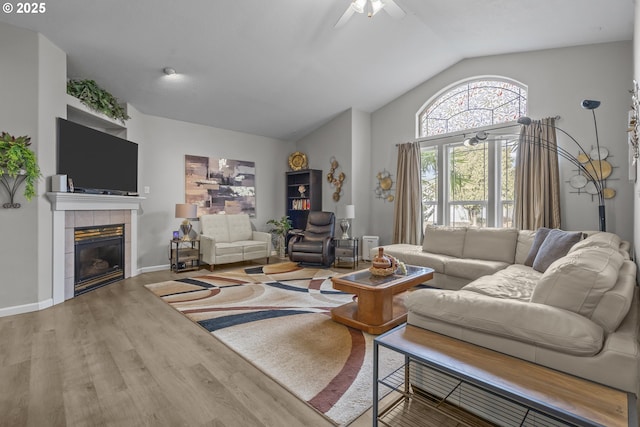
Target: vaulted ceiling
[(279, 68)]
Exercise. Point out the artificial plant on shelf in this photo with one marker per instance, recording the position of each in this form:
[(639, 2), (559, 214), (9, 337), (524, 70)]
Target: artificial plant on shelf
[(280, 228), (96, 98), (18, 163)]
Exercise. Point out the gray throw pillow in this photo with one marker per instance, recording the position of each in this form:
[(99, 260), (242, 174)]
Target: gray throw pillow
[(555, 246), (541, 234)]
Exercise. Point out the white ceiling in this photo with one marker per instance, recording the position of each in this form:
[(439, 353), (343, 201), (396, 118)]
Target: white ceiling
[(278, 68)]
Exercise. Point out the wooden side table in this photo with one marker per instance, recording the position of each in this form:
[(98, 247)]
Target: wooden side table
[(346, 251), (184, 255)]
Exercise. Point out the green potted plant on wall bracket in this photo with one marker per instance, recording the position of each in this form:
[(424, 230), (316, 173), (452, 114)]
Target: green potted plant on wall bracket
[(96, 98), (18, 164)]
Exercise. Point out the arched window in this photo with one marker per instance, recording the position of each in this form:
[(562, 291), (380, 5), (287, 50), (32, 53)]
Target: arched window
[(457, 185), (473, 104)]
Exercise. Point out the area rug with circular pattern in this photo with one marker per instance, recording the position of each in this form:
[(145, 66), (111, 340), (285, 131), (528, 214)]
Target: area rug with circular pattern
[(278, 318)]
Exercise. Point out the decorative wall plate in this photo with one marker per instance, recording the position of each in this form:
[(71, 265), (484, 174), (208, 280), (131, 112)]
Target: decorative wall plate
[(578, 181), (594, 167), (608, 193), (298, 161), (386, 183), (582, 158), (604, 153), (591, 188)]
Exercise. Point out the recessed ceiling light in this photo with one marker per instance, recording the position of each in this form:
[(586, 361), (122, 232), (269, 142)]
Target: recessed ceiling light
[(169, 71)]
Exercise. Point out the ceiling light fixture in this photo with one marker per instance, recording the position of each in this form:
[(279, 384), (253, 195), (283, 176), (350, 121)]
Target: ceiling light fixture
[(376, 6), (475, 140), (370, 7), (169, 71)]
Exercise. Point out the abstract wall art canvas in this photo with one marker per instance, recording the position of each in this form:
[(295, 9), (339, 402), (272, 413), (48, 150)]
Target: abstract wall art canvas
[(220, 185)]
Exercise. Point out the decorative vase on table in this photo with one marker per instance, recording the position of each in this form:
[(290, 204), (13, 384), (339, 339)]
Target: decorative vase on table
[(383, 265)]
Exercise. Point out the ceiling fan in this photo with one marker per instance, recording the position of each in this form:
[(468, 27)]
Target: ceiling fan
[(370, 7)]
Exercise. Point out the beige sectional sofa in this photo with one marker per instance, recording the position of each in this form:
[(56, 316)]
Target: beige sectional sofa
[(231, 238), (577, 313)]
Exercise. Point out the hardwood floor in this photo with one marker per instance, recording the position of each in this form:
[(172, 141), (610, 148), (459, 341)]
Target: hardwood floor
[(119, 356)]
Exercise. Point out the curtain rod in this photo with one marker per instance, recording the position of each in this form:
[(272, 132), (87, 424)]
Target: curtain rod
[(463, 134)]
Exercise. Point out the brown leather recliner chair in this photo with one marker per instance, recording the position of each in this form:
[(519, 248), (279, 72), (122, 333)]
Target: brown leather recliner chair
[(315, 244)]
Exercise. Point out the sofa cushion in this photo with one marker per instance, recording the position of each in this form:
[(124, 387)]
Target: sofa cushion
[(492, 244), (514, 282), (239, 227), (577, 281), (523, 245), (252, 246), (444, 240), (426, 259), (225, 248), (531, 323), (472, 268), (616, 303), (215, 226), (541, 234), (555, 246), (601, 240)]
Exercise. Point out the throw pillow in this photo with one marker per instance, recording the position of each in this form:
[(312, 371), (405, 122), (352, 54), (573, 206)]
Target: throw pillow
[(555, 246), (541, 234)]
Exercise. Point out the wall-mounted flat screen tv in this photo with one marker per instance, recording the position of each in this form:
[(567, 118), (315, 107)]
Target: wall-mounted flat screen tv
[(95, 161)]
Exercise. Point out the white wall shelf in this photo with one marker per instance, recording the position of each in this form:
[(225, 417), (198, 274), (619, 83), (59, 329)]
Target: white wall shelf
[(77, 112)]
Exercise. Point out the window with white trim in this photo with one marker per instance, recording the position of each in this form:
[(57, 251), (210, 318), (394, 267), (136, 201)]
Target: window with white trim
[(470, 185)]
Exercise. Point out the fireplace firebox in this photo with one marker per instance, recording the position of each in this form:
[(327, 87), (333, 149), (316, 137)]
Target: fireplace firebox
[(99, 256)]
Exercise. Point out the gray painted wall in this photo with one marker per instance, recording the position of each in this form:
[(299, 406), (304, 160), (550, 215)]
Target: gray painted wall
[(334, 139), (163, 145), (636, 74), (347, 138), (19, 85), (29, 87), (558, 80)]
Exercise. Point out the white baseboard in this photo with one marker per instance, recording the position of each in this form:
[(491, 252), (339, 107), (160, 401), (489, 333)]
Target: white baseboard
[(153, 268), (26, 308)]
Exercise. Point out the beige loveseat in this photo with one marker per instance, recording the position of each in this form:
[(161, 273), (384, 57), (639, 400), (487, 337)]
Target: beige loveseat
[(231, 238), (578, 315)]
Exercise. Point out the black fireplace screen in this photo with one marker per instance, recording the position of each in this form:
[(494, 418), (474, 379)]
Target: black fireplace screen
[(99, 256)]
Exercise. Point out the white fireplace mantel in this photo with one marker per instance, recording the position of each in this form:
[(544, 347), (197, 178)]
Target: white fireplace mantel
[(62, 202), (92, 202)]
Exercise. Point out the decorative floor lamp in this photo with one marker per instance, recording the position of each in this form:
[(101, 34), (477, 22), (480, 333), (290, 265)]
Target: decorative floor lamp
[(593, 172), (186, 211)]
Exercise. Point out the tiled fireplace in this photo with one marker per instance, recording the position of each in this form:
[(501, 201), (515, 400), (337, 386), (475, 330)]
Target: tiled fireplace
[(73, 211)]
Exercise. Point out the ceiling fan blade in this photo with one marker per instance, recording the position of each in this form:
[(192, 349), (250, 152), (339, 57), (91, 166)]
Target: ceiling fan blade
[(345, 17), (393, 9)]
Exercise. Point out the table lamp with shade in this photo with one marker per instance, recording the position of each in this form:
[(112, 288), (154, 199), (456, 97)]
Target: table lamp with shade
[(186, 211), (349, 213)]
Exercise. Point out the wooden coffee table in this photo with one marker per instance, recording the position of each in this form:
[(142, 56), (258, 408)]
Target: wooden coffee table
[(376, 307)]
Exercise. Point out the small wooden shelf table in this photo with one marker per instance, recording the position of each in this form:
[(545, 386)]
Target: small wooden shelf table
[(477, 386), (184, 255), (377, 307)]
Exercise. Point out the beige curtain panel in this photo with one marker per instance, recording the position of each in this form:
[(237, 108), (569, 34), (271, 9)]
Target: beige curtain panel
[(537, 181), (408, 208)]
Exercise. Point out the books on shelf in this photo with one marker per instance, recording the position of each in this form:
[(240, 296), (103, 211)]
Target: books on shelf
[(301, 204)]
